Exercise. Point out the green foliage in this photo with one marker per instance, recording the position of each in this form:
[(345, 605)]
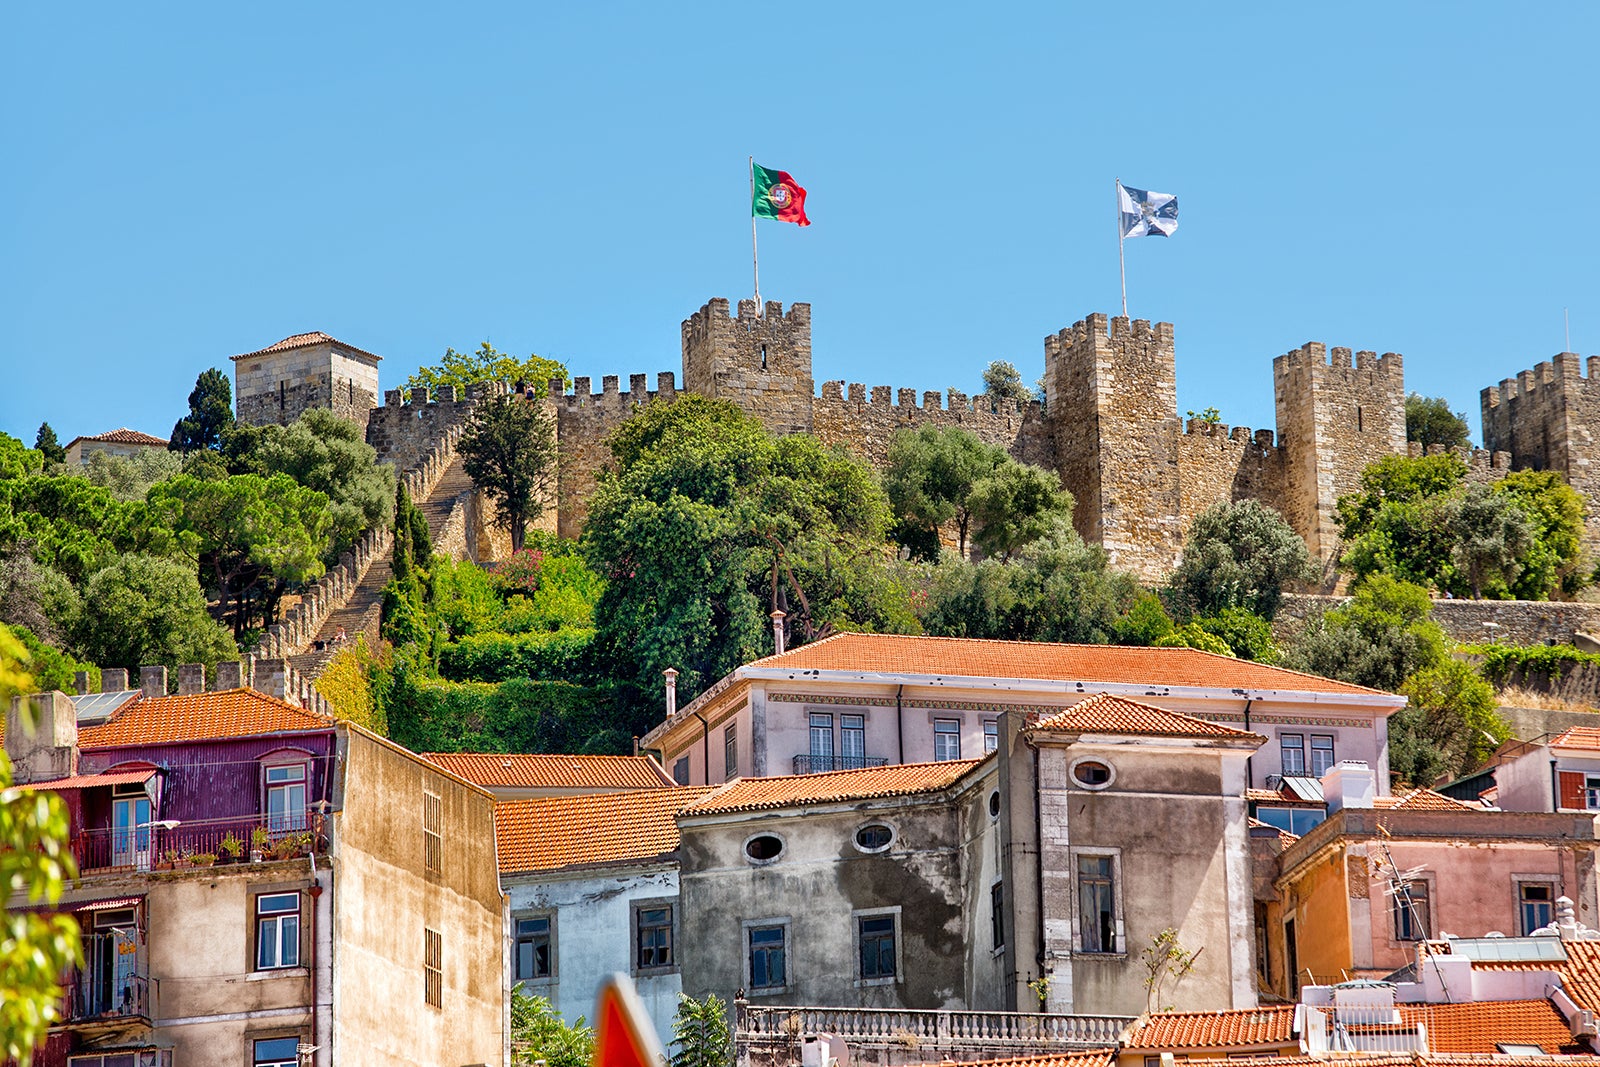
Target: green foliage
[(1397, 480), (1209, 417), (51, 667), (700, 1034), (1502, 664), (325, 453), (149, 611), (17, 460), (509, 448), (1193, 635), (34, 596), (1554, 562), (1246, 634), (347, 683), (462, 369), (1491, 534), (1450, 727), (35, 864), (48, 446), (1016, 505), (521, 715), (1166, 963), (210, 413), (1144, 623), (1239, 555), (930, 477), (1429, 422), (1379, 639), (538, 1034), (68, 524), (1002, 382), (498, 657), (129, 478)]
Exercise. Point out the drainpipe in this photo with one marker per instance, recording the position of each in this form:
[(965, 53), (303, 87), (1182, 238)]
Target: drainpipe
[(672, 691), (705, 745), (778, 643), (900, 723), (315, 892), (1038, 871), (1249, 761), (1555, 788)]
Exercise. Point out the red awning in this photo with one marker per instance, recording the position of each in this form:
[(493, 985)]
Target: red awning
[(105, 905), (91, 781)]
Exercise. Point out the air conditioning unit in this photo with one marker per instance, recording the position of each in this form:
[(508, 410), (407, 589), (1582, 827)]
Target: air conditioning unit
[(1583, 1025), (1274, 781)]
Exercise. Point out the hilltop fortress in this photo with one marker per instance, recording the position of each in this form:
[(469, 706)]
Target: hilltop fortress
[(1110, 426)]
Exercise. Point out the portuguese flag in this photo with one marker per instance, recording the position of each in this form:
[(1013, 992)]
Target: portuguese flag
[(777, 196)]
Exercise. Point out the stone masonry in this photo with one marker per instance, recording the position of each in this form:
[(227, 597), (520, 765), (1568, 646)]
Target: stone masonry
[(1111, 427)]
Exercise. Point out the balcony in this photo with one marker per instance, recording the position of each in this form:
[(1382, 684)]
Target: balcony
[(110, 997), (963, 1034), (196, 843), (819, 764)]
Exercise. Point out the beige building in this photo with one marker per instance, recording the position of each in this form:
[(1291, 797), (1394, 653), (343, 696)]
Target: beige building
[(124, 442)]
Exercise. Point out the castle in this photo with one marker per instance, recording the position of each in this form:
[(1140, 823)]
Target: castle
[(1110, 426)]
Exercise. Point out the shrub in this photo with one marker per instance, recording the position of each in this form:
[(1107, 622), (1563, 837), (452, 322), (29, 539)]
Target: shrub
[(496, 657)]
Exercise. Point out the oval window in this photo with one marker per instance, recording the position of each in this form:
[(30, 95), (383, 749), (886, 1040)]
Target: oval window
[(763, 847), (994, 804), (1091, 773), (874, 837)]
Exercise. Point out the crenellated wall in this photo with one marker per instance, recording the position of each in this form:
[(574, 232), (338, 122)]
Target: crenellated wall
[(1547, 418), (846, 415), (1217, 463), (584, 418), (760, 360)]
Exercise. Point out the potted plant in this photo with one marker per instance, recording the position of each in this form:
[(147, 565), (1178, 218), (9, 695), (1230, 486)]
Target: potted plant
[(169, 859), (202, 859), (260, 841), (291, 845), (230, 848)]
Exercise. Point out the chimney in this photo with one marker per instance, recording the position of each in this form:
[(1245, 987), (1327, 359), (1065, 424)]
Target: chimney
[(42, 737), (191, 679), (777, 633), (1349, 784), (672, 691), (113, 679), (153, 680), (80, 682), (229, 676)]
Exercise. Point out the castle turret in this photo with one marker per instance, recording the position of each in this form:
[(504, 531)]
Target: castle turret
[(760, 361), (279, 383)]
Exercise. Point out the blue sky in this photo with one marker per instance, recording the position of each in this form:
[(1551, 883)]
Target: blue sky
[(188, 182)]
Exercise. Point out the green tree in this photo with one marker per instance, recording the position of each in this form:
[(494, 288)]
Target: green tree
[(700, 1036), (1015, 505), (149, 611), (462, 369), (1239, 555), (1192, 635), (68, 524), (210, 413), (47, 446), (1449, 728), (539, 1035), (130, 477), (1399, 522), (1381, 637), (1429, 421), (17, 460), (1247, 635), (323, 452), (1491, 533), (930, 477), (36, 948), (1165, 961), (1554, 561), (35, 597), (509, 450), (1144, 623), (1001, 382)]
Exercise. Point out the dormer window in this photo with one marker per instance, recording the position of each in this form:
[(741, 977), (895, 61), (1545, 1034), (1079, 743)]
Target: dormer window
[(286, 797)]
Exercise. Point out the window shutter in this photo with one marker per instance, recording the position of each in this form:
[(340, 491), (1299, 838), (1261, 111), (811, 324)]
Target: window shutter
[(1572, 789)]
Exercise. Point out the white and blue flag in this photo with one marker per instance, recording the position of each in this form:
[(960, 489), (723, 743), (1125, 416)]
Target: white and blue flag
[(1147, 214)]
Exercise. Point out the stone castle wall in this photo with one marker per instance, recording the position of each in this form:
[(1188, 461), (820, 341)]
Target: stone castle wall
[(280, 387), (760, 360), (584, 419), (1216, 462), (846, 416), (1547, 418)]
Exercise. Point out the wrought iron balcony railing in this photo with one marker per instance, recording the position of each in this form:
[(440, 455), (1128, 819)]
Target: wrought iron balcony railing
[(819, 764), (202, 842)]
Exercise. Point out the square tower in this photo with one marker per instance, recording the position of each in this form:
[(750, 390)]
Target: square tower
[(1113, 407), (279, 383), (761, 362)]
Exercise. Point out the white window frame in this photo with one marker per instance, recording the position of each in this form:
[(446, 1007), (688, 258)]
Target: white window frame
[(946, 737), (1312, 749), (279, 928), (1283, 750), (1118, 912), (294, 818), (257, 1061), (893, 912), (1432, 913), (991, 735), (1072, 772)]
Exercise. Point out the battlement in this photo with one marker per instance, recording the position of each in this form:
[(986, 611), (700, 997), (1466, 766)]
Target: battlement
[(715, 313), (1565, 368), (610, 395), (1244, 435), (1099, 328), (1314, 356), (883, 396)]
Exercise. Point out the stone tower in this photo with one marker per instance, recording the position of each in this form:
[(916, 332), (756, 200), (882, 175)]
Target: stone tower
[(1333, 420), (1548, 418), (761, 362), (309, 370), (1113, 405)]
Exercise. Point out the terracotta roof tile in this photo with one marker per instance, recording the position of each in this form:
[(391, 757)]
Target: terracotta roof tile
[(1581, 737), (1424, 800), (969, 657), (547, 833), (1215, 1029), (91, 781), (200, 717), (122, 436), (303, 340), (1580, 972), (1413, 1059), (538, 771), (901, 779), (1091, 1057), (1479, 1026), (1107, 714)]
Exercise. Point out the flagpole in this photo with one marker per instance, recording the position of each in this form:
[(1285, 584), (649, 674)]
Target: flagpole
[(1122, 262), (755, 261)]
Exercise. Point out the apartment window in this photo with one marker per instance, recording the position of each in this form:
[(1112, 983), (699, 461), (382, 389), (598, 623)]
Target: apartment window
[(875, 935), (277, 931), (274, 1052), (680, 770), (1413, 919), (1294, 753), (821, 739), (1297, 821), (652, 936), (286, 797), (767, 964), (433, 968), (1534, 903), (946, 739), (997, 915), (1591, 794), (1321, 754), (1097, 909), (730, 751), (432, 832), (991, 734), (534, 944), (853, 741)]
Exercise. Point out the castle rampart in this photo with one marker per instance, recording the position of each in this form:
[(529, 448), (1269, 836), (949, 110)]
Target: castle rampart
[(844, 416), (583, 420), (760, 360), (1216, 462), (1547, 418)]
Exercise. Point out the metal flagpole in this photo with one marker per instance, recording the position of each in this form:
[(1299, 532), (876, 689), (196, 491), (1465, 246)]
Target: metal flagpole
[(755, 261), (1566, 317), (1122, 263)]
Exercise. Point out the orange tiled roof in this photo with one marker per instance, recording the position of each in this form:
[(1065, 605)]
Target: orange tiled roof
[(91, 781), (547, 833), (1583, 737), (1107, 714), (122, 436), (901, 779), (530, 771), (303, 340), (1121, 664), (1423, 800), (1215, 1029), (1404, 1059), (1479, 1026), (200, 717), (1580, 972), (1090, 1057)]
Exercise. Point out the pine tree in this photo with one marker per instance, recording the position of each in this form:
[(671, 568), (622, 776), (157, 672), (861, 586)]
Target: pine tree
[(47, 444), (210, 413)]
